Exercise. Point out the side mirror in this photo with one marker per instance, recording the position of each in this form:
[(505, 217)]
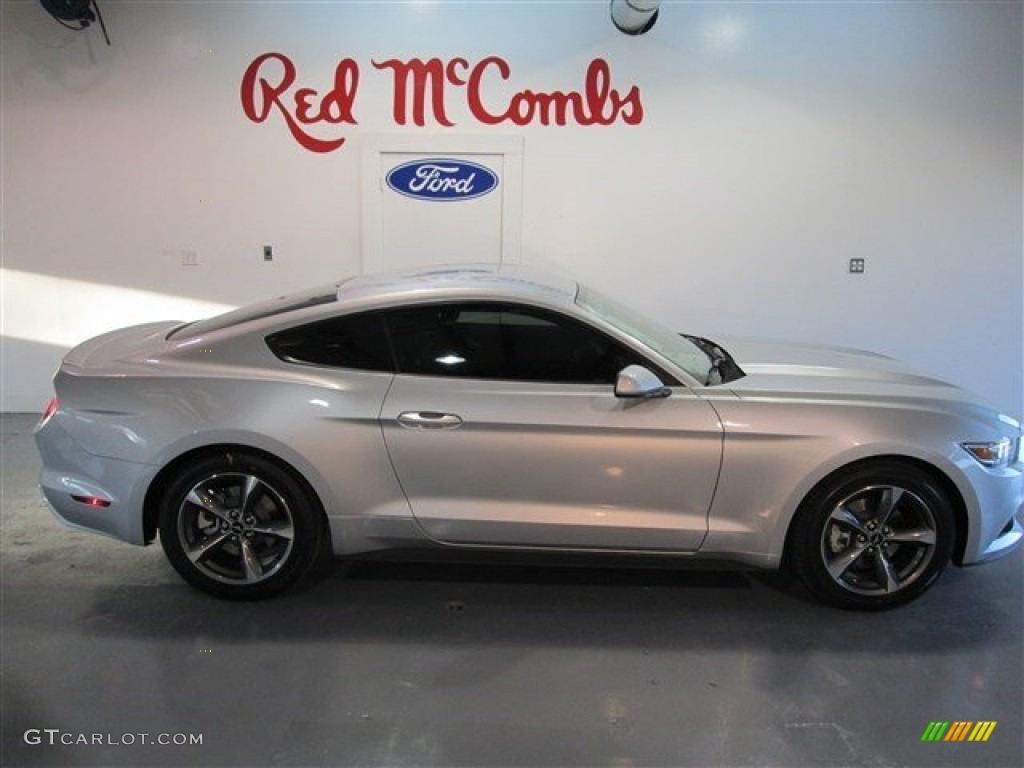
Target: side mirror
[(635, 381)]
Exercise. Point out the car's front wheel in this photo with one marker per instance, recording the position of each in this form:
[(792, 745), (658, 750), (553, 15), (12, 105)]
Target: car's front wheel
[(872, 537), (239, 526)]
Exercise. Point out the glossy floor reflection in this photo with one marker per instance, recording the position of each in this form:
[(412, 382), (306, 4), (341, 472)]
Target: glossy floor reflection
[(383, 664)]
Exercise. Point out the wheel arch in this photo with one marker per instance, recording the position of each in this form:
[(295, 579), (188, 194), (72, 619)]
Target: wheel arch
[(163, 478), (948, 486)]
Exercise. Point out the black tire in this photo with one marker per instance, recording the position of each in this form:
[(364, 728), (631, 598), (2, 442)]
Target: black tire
[(239, 526), (872, 537)]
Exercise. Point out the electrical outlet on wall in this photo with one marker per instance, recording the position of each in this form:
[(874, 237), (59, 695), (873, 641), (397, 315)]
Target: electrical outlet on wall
[(856, 266), (268, 253)]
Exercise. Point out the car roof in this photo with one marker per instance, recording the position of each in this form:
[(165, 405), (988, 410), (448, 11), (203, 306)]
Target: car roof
[(485, 279), (477, 281)]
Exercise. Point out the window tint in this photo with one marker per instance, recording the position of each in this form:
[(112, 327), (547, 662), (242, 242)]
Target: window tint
[(497, 341), (352, 341)]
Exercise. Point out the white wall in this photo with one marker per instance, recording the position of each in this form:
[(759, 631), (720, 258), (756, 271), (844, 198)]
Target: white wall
[(779, 140)]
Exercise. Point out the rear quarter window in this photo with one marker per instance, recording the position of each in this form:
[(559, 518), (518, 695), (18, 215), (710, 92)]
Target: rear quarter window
[(351, 341)]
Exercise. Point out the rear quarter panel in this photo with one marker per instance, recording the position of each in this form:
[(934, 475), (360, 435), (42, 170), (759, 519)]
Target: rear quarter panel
[(322, 423)]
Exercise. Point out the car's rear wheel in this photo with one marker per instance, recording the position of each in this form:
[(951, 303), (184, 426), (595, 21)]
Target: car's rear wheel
[(239, 526), (873, 537)]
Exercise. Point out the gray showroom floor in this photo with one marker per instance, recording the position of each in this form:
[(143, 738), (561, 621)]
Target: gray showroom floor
[(398, 665)]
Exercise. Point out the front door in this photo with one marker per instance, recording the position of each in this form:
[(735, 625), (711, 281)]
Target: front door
[(504, 430)]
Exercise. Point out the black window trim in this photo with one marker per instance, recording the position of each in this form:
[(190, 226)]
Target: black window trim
[(396, 370)]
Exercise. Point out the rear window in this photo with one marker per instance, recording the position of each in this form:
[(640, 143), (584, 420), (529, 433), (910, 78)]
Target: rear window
[(278, 306)]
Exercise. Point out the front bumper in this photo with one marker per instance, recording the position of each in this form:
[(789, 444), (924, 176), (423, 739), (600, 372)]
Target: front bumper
[(1006, 542), (996, 525)]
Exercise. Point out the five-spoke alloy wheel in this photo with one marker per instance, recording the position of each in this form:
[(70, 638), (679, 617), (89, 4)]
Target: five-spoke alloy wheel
[(872, 537), (239, 526)]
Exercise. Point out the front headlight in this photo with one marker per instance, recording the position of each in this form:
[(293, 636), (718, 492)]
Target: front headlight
[(995, 454)]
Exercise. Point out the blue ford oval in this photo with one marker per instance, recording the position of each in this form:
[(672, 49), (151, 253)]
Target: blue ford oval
[(442, 179)]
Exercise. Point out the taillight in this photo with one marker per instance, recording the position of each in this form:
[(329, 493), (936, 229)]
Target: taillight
[(51, 408)]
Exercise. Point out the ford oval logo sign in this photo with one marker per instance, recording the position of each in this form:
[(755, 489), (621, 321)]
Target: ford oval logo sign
[(442, 179)]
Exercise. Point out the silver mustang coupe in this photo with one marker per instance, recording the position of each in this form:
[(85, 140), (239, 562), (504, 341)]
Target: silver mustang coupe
[(497, 410)]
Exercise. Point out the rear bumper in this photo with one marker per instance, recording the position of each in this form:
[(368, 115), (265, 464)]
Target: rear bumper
[(70, 471)]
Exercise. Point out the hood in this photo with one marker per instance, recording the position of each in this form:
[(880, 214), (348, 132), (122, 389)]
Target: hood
[(814, 370)]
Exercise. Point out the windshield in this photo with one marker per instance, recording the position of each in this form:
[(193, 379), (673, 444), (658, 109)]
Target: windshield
[(673, 347)]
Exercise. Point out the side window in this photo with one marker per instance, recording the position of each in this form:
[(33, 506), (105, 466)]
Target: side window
[(504, 341), (350, 341)]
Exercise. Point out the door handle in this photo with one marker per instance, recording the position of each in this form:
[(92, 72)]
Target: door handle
[(428, 420)]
